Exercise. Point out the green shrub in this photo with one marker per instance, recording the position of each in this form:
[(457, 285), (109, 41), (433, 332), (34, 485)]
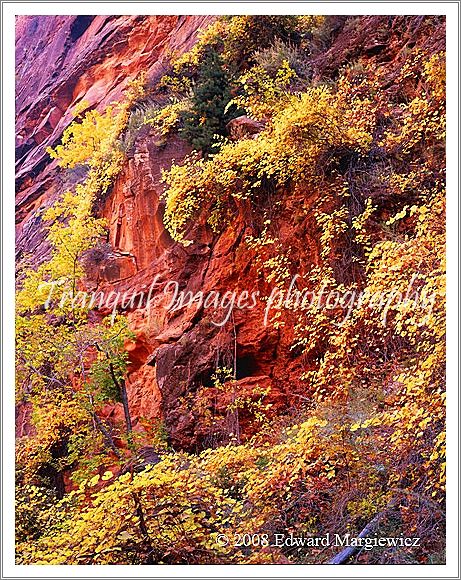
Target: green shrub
[(210, 97)]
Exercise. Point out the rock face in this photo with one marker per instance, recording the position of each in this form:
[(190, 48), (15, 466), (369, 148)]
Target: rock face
[(177, 352), (63, 60), (243, 126)]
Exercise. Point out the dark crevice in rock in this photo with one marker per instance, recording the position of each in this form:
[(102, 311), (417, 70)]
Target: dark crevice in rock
[(79, 25)]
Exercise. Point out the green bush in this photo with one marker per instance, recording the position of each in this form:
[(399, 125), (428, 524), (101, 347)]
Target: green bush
[(210, 97)]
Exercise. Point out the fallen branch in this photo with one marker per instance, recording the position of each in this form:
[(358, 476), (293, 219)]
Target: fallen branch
[(348, 552)]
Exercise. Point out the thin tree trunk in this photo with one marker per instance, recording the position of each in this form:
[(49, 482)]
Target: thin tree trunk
[(236, 411), (107, 436), (143, 528), (126, 408), (121, 387), (123, 395)]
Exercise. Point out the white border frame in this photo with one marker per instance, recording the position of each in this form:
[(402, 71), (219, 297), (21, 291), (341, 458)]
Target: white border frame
[(9, 10)]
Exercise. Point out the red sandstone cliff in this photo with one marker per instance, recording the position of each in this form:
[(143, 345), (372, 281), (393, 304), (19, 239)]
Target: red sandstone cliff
[(63, 60)]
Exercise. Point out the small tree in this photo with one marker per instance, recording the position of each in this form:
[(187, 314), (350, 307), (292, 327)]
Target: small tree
[(210, 97), (63, 355)]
